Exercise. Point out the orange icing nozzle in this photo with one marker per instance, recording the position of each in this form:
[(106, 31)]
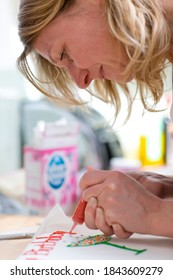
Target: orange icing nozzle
[(78, 216)]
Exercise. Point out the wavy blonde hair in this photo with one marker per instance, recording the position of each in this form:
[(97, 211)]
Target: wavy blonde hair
[(139, 25)]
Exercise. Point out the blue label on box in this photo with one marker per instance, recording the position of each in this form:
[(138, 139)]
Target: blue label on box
[(56, 171)]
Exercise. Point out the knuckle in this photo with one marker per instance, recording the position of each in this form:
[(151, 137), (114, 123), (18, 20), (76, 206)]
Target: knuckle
[(83, 181), (118, 174), (109, 216)]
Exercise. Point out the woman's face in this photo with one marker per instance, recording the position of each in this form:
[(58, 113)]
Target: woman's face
[(79, 40)]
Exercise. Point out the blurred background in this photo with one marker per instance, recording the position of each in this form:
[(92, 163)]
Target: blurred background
[(144, 142)]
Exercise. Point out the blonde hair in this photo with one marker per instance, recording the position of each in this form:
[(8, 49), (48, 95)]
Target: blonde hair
[(139, 25)]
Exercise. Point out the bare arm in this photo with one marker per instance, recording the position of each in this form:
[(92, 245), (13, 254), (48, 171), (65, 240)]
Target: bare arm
[(160, 185)]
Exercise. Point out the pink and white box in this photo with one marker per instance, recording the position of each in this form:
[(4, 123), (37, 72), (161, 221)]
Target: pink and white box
[(51, 168)]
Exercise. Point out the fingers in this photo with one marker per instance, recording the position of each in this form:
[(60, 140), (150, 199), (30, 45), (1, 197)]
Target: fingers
[(90, 213), (95, 219), (94, 191), (101, 223), (107, 194), (120, 232), (91, 178)]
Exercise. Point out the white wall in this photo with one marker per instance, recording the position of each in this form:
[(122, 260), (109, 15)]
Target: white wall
[(138, 123), (11, 88)]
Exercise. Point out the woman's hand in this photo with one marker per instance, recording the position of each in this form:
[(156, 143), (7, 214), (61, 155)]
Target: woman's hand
[(117, 203), (95, 219)]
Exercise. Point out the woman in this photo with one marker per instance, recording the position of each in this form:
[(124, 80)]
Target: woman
[(109, 42)]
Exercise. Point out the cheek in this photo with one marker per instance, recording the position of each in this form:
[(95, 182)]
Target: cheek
[(87, 50), (85, 57), (115, 71)]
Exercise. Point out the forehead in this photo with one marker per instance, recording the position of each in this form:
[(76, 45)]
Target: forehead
[(54, 33), (74, 14), (75, 23)]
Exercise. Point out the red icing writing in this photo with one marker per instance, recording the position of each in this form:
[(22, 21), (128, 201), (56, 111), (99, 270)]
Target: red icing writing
[(44, 244)]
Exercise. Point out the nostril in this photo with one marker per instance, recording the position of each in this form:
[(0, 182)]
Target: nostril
[(86, 79)]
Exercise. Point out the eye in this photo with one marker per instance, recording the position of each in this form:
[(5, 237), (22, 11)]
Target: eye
[(63, 54)]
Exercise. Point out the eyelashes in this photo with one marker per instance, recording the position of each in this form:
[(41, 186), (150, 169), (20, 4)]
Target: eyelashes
[(63, 55)]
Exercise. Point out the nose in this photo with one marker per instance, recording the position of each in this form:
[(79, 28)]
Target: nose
[(80, 76)]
